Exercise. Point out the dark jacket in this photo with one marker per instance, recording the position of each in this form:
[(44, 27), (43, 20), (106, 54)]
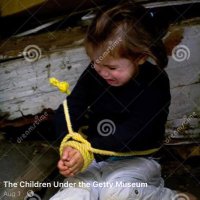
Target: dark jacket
[(137, 111)]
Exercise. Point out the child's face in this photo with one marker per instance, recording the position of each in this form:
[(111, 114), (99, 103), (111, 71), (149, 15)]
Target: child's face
[(116, 71)]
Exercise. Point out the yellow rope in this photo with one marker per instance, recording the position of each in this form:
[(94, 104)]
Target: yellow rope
[(62, 86), (77, 141)]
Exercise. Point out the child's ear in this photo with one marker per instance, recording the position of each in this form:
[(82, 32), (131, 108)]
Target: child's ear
[(142, 59)]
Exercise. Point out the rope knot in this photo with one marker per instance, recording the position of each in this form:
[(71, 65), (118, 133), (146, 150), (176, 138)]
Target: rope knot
[(61, 85), (75, 140)]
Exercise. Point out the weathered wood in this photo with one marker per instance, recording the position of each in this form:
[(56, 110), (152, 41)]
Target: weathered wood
[(152, 4), (25, 89), (49, 42)]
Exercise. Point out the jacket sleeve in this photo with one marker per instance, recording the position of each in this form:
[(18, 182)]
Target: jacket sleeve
[(145, 126), (77, 102)]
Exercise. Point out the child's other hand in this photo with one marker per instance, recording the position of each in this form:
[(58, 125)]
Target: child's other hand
[(71, 162)]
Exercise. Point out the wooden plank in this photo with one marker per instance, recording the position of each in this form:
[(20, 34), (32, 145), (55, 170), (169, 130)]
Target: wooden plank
[(154, 4)]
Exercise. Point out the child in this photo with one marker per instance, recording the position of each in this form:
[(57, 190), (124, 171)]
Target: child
[(131, 96)]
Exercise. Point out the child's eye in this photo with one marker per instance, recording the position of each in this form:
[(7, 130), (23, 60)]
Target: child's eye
[(112, 68)]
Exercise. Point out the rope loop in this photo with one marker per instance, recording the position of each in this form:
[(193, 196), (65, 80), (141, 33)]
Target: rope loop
[(77, 141)]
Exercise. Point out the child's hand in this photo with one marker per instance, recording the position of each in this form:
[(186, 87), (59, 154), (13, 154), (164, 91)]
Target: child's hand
[(71, 162)]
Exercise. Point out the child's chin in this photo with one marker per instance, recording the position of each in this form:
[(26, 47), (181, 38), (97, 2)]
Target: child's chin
[(115, 84)]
